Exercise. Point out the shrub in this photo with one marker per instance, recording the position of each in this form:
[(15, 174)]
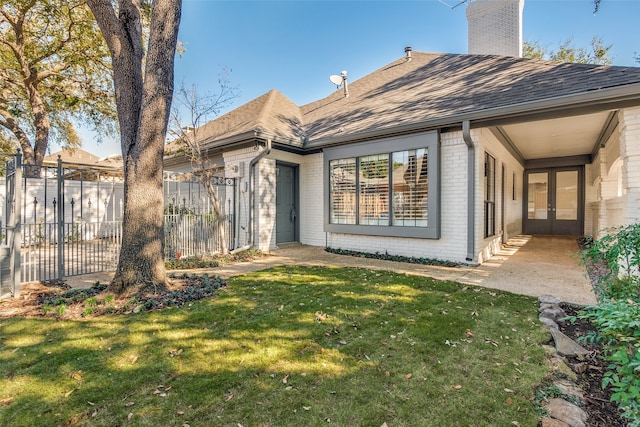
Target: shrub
[(614, 262), (616, 259)]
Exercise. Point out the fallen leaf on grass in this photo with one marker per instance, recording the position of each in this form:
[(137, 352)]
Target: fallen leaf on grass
[(457, 387), (285, 379), (408, 376), (306, 408), (67, 394), (229, 397), (343, 342), (509, 401), (129, 404), (129, 416), (133, 359), (91, 403), (180, 413), (469, 333), (384, 425), (175, 352), (6, 401), (95, 413)]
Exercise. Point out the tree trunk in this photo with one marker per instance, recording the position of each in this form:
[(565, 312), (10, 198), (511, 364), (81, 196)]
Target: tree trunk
[(143, 112)]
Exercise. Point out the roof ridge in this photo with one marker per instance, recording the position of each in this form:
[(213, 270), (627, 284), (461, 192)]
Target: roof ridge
[(267, 106)]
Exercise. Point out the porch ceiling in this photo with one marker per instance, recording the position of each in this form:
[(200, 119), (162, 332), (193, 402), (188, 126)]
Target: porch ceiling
[(560, 137)]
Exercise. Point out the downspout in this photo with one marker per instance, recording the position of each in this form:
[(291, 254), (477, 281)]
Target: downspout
[(252, 165), (471, 194)]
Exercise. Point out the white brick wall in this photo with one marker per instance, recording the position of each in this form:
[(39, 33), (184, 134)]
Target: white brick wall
[(495, 27), (311, 201), (630, 153), (453, 242), (487, 142), (237, 166)]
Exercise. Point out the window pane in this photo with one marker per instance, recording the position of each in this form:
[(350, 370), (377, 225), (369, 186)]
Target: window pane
[(374, 190), (489, 195), (342, 191), (567, 195), (410, 188), (537, 190)]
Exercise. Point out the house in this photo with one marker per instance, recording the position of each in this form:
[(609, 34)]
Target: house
[(438, 155)]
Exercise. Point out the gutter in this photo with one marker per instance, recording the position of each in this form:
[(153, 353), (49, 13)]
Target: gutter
[(471, 194), (252, 166)]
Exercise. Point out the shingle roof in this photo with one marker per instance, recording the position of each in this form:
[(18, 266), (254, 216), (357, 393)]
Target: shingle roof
[(443, 85), (272, 113), (71, 155), (428, 86)]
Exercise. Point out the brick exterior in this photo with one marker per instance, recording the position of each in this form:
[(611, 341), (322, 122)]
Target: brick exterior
[(495, 27), (630, 154)]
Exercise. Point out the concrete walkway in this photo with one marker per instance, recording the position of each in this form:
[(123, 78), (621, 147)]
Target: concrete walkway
[(538, 265)]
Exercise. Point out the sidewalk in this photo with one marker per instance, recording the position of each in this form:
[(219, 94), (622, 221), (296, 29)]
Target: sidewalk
[(538, 265)]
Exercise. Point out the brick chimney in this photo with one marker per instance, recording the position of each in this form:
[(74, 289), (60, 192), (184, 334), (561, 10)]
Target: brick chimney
[(495, 27)]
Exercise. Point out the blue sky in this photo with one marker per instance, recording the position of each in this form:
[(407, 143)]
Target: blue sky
[(293, 46)]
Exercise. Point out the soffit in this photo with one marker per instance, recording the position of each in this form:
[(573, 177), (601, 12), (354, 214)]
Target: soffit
[(561, 137)]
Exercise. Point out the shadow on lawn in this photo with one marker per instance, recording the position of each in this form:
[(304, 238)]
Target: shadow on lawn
[(291, 345)]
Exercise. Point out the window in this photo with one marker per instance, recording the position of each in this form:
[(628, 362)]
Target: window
[(489, 195), (343, 191), (384, 188), (373, 190), (410, 194)]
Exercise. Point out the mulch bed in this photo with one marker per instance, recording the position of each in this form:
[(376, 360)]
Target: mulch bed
[(602, 412), (56, 299)]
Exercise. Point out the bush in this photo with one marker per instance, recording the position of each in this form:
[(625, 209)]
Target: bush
[(616, 257), (617, 314), (388, 257)]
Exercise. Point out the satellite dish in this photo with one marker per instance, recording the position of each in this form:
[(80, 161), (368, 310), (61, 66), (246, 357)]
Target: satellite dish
[(336, 80)]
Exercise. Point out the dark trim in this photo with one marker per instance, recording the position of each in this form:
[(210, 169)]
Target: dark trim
[(430, 141), (558, 162), (471, 190), (506, 141), (610, 126)]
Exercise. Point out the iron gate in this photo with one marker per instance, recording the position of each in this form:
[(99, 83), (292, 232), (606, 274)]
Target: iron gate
[(66, 220)]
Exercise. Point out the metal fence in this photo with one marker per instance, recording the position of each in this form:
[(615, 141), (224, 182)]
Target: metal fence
[(66, 220)]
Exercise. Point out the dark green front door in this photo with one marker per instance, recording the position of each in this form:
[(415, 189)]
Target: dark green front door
[(286, 207)]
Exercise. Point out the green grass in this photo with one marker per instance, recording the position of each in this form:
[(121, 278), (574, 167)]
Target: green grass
[(287, 346)]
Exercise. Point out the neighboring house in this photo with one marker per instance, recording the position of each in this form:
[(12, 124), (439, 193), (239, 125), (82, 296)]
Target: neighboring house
[(71, 155), (437, 155)]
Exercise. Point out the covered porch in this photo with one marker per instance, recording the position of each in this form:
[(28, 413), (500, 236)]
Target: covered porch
[(578, 169)]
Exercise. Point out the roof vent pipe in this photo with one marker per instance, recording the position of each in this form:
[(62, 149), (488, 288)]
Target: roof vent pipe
[(408, 50), (344, 83)]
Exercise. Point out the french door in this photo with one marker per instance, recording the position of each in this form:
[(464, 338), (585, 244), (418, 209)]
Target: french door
[(554, 201)]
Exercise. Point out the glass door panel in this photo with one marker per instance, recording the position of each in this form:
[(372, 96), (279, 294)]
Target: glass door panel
[(538, 195), (566, 196)]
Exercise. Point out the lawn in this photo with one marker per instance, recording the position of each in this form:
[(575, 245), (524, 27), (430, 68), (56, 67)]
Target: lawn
[(298, 346)]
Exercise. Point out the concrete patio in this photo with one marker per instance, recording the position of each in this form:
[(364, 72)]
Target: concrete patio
[(528, 265)]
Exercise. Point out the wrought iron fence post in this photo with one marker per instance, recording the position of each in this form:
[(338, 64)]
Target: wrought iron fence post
[(16, 238), (60, 240)]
